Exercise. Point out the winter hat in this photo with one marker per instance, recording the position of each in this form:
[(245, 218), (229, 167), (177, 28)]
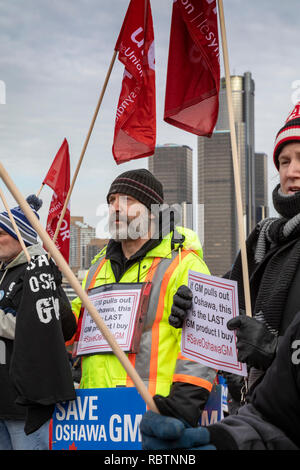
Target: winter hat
[(141, 185), (27, 232), (288, 134)]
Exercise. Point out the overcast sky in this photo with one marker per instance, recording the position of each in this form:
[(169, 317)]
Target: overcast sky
[(54, 56)]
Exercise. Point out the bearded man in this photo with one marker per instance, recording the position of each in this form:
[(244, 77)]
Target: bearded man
[(146, 247)]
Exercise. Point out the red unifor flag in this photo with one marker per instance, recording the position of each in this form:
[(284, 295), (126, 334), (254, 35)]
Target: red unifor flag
[(193, 75), (135, 125), (58, 178)]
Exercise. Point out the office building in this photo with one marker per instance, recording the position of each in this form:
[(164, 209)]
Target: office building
[(216, 189), (173, 165), (94, 247), (216, 195), (80, 236), (261, 186), (243, 90)]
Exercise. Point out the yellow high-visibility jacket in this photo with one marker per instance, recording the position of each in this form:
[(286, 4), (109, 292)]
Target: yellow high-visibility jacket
[(159, 361)]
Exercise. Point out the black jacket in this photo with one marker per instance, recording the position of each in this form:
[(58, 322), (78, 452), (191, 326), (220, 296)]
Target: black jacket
[(271, 420), (274, 287), (13, 299)]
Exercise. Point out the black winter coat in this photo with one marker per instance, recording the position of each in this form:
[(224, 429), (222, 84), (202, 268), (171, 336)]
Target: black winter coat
[(271, 421), (11, 291)]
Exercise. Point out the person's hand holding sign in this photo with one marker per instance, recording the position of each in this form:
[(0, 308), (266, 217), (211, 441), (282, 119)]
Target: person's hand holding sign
[(255, 343), (182, 302)]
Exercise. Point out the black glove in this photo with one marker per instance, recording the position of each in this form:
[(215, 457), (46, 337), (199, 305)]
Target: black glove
[(185, 402), (182, 302), (255, 343), (235, 384)]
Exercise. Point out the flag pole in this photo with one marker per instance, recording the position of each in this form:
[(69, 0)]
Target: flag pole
[(85, 146), (66, 270), (235, 160), (40, 190), (21, 241)]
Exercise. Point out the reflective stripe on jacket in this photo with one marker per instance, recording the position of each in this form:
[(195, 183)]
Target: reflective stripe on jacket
[(159, 361)]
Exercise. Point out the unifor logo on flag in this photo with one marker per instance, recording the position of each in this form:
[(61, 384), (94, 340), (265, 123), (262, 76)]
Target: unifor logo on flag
[(135, 125), (58, 178), (193, 75)]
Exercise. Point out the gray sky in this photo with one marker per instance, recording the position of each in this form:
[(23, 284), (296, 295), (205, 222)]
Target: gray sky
[(54, 56)]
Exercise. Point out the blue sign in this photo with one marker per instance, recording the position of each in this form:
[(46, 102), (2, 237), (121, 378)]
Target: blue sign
[(99, 419), (216, 404)]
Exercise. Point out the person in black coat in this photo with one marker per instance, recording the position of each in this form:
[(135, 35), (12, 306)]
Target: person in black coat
[(273, 254), (269, 421), (35, 321)]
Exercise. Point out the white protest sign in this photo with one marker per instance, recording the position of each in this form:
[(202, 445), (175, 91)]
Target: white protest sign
[(118, 309), (205, 336)]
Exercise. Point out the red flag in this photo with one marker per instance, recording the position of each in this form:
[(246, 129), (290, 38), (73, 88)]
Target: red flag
[(135, 125), (58, 178), (193, 76)]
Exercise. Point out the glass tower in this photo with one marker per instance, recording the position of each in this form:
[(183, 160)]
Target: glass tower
[(173, 166), (216, 190)]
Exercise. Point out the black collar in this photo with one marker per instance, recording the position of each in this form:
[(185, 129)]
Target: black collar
[(115, 253)]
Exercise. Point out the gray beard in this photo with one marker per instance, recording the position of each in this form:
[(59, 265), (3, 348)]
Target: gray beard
[(134, 230)]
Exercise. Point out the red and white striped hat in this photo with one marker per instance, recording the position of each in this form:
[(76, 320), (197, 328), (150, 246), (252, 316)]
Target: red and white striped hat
[(289, 133)]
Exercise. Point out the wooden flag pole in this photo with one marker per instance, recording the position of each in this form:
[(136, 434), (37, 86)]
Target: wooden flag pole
[(64, 267), (85, 146), (236, 169), (21, 241), (39, 191)]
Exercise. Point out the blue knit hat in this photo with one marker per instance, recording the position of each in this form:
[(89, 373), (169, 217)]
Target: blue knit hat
[(27, 232)]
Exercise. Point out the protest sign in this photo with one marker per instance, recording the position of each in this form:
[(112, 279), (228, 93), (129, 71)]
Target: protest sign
[(205, 336), (99, 419), (215, 405), (121, 307)]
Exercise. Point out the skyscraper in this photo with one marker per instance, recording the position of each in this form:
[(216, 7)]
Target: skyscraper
[(173, 165), (243, 89), (216, 189), (80, 235), (261, 186), (216, 194)]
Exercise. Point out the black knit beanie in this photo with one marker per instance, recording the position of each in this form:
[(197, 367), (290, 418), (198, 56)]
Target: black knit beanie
[(288, 134), (141, 185)]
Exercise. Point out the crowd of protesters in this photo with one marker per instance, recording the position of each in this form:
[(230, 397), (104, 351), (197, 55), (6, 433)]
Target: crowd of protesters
[(150, 248)]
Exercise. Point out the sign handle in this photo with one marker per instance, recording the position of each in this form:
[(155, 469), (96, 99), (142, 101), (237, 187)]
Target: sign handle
[(235, 161), (84, 147)]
